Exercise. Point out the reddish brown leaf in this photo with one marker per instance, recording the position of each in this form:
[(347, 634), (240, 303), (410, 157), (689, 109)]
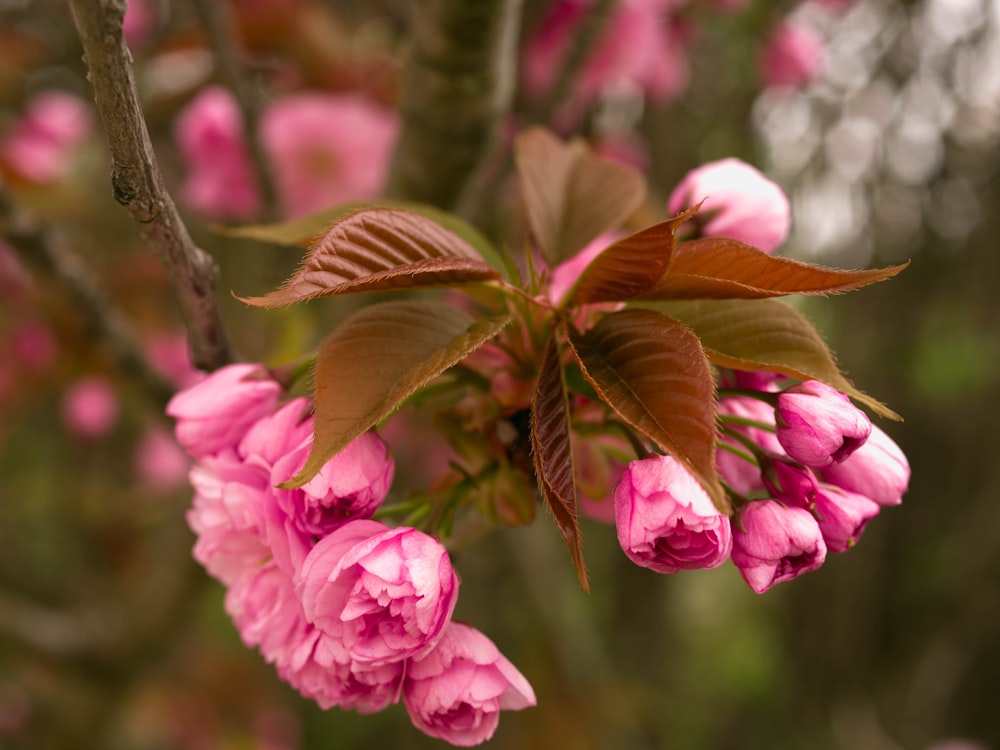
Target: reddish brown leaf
[(550, 443), (571, 194), (765, 335), (630, 266), (652, 370), (377, 250), (379, 357), (722, 268)]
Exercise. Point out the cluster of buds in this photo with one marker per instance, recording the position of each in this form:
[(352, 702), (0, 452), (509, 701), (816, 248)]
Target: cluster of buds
[(805, 469), (352, 613)]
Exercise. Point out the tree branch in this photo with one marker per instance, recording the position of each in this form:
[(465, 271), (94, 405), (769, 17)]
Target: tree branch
[(218, 21), (138, 184), (458, 84), (41, 250)]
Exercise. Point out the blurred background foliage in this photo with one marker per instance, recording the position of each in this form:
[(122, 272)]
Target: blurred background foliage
[(111, 637)]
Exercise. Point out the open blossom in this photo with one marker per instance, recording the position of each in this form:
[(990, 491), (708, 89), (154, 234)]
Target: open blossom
[(40, 146), (385, 593), (842, 516), (776, 544), (665, 519), (327, 149), (818, 425), (457, 690), (792, 55), (878, 470), (216, 412), (220, 181), (739, 202)]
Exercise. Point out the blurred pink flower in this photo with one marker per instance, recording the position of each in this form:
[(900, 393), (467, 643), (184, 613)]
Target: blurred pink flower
[(773, 544), (327, 149), (456, 691), (385, 594), (159, 461), (140, 21), (792, 55), (90, 407), (168, 354), (40, 146), (817, 425), (210, 136), (878, 470), (739, 202), (34, 346), (216, 412), (665, 519), (742, 475)]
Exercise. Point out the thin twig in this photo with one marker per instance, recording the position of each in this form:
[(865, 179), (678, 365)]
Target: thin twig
[(138, 184), (40, 249), (458, 85), (218, 21)]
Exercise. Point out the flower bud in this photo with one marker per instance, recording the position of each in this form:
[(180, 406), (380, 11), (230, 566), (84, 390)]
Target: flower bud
[(842, 516), (790, 483), (818, 425), (216, 412), (456, 691), (792, 56), (387, 594), (776, 544), (666, 521), (739, 202), (878, 470)]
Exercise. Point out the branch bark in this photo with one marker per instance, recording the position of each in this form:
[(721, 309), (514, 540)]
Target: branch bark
[(138, 185), (458, 84), (40, 249)]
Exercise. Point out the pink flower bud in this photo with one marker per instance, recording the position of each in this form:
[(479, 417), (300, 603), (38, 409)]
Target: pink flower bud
[(220, 180), (817, 425), (665, 519), (776, 544), (386, 594), (40, 146), (739, 202), (791, 484), (159, 461), (742, 475), (90, 407), (792, 55), (216, 412), (878, 470), (842, 516), (457, 690)]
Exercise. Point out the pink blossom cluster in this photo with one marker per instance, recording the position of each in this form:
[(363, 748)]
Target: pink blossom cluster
[(322, 148), (40, 146), (351, 612), (807, 471)]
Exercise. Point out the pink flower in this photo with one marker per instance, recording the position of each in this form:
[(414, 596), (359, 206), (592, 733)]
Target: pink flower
[(665, 519), (878, 470), (140, 21), (327, 149), (90, 407), (818, 425), (159, 460), (168, 354), (842, 516), (790, 483), (40, 146), (220, 180), (741, 474), (456, 691), (386, 594), (34, 345), (776, 544), (739, 202), (352, 484), (266, 612), (216, 412), (792, 55)]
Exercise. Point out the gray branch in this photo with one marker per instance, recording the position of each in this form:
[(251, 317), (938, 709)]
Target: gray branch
[(138, 184), (458, 85)]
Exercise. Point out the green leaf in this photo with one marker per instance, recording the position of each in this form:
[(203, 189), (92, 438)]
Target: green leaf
[(378, 250), (376, 359), (767, 335), (550, 444), (303, 231), (652, 370), (571, 194), (722, 268), (630, 266)]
